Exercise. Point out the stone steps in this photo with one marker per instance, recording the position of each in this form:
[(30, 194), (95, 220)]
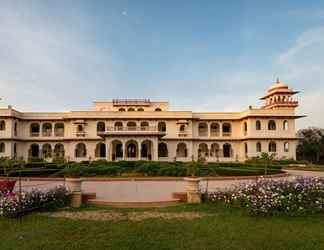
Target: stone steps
[(135, 204)]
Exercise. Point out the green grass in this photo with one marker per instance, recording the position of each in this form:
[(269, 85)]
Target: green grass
[(317, 168), (225, 228)]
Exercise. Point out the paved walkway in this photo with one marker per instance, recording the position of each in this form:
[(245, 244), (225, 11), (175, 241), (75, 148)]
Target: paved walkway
[(137, 191)]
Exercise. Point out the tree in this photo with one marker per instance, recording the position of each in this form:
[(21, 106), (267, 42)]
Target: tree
[(311, 144)]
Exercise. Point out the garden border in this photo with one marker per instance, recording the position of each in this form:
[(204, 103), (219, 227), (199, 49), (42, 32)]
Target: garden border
[(149, 178)]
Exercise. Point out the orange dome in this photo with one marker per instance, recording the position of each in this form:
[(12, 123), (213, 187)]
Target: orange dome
[(277, 85)]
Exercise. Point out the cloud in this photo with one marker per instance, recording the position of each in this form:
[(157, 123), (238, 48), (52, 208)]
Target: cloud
[(44, 66), (302, 67)]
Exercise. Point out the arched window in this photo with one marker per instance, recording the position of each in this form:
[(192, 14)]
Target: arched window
[(80, 128), (245, 128), (214, 129), (100, 151), (227, 150), (47, 129), (202, 129), (131, 109), (158, 109), (34, 151), (286, 147), (162, 150), (258, 147), (2, 147), (140, 109), (59, 151), (2, 125), (227, 129), (16, 129), (272, 125), (245, 148), (80, 150), (15, 150), (182, 150), (258, 125), (162, 126), (59, 129), (118, 126), (272, 147), (131, 125), (101, 127), (47, 150), (34, 129), (182, 128), (121, 110), (285, 125), (144, 126)]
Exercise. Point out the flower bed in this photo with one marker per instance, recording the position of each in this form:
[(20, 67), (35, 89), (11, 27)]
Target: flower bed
[(304, 195), (15, 204)]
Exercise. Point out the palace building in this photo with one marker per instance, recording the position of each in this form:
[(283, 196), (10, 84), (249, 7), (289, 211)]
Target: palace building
[(147, 130)]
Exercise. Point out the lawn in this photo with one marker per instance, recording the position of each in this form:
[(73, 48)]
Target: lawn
[(220, 228)]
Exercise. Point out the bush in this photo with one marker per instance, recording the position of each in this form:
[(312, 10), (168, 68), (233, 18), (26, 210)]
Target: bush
[(148, 168), (169, 170), (268, 197), (83, 170), (14, 205), (31, 172)]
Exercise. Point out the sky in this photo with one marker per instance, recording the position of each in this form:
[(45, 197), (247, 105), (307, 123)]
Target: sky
[(198, 55)]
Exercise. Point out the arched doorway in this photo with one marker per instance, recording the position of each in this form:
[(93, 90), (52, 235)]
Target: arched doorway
[(131, 149), (34, 151), (227, 150), (182, 150), (59, 151), (162, 150), (116, 150), (47, 150), (100, 150), (146, 149), (203, 150)]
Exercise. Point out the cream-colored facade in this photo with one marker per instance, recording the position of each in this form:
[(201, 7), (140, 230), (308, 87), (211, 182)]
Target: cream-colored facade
[(146, 130)]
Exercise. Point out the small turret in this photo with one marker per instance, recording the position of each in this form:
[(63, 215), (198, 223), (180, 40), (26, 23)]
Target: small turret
[(279, 96)]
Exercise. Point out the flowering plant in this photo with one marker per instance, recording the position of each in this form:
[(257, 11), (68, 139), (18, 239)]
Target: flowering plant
[(268, 197), (17, 204)]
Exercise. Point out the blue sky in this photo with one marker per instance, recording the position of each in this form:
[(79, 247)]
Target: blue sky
[(200, 55)]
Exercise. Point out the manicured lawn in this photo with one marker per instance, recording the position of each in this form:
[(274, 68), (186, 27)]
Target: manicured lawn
[(223, 228)]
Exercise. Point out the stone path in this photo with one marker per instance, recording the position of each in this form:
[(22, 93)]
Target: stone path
[(140, 191)]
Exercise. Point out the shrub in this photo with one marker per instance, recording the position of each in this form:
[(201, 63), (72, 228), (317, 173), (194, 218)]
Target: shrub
[(83, 170), (268, 197), (31, 172), (169, 170), (14, 205)]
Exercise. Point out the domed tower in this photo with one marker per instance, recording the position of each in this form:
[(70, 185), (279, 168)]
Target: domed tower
[(279, 95)]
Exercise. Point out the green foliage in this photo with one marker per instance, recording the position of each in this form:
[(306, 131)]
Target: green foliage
[(311, 145), (85, 170)]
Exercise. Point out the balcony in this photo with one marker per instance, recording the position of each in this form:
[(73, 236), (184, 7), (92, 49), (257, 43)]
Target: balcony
[(59, 134), (34, 134), (214, 134), (227, 134), (182, 134), (132, 130), (47, 133), (80, 134)]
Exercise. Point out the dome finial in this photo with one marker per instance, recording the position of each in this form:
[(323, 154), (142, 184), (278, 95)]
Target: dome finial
[(278, 80)]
